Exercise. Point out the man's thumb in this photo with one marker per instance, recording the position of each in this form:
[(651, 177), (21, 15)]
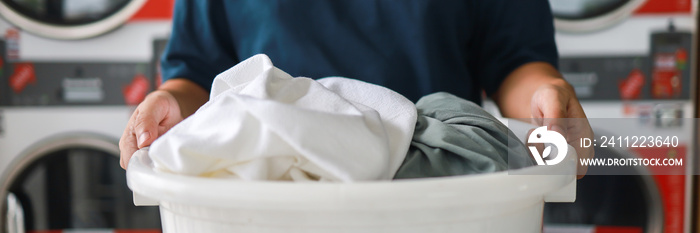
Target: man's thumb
[(554, 117), (146, 129)]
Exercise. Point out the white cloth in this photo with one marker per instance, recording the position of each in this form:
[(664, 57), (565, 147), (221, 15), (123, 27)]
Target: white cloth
[(262, 124)]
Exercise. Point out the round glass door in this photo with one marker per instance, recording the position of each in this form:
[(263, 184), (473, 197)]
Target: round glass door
[(590, 15), (72, 184), (68, 19), (631, 201)]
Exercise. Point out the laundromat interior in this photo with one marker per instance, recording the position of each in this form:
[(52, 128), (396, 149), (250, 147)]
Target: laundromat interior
[(145, 116)]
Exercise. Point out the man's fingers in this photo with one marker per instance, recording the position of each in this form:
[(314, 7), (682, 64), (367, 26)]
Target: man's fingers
[(553, 105), (557, 124), (141, 131), (127, 145), (146, 127), (153, 117), (144, 130)]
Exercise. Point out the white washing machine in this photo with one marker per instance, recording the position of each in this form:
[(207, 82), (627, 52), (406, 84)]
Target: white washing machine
[(630, 59), (70, 73)]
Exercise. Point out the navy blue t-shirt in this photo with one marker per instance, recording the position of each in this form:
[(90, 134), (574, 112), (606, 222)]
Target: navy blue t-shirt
[(415, 47)]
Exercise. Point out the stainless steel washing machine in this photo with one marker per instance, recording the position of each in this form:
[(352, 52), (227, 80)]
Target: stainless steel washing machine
[(70, 73), (630, 59)]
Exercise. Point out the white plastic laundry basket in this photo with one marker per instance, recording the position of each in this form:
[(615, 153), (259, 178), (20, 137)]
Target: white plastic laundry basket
[(496, 202)]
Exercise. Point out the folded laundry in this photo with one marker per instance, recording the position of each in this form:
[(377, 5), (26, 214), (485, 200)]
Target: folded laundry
[(262, 124), (454, 136)]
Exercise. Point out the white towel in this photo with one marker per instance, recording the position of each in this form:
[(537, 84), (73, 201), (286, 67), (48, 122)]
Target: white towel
[(262, 124)]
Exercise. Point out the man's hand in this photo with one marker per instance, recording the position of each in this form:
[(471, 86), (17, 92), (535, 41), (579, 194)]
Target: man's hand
[(555, 105), (152, 118), (537, 91), (174, 100)]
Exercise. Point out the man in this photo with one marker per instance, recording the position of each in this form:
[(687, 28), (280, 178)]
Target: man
[(415, 47)]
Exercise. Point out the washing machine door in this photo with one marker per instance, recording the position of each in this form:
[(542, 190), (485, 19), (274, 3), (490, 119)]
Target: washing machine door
[(68, 19), (631, 200), (591, 15), (71, 183)]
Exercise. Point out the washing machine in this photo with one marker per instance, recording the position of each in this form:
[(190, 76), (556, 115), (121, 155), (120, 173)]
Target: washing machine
[(71, 72), (630, 60)]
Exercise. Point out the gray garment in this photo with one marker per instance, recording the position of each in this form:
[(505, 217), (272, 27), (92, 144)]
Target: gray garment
[(454, 136)]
